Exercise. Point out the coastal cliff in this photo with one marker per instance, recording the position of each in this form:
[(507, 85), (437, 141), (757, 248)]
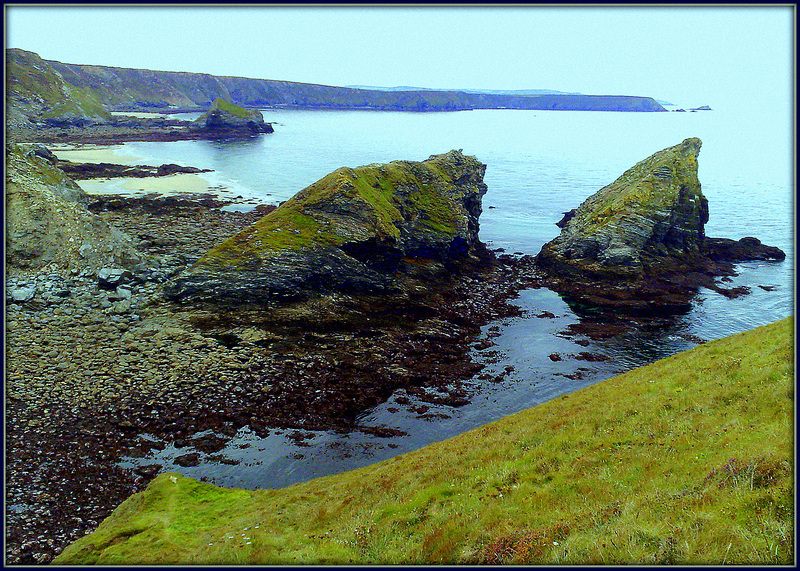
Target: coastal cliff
[(122, 89), (357, 230), (640, 241), (34, 90)]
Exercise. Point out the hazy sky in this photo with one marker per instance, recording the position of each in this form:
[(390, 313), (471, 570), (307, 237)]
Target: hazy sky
[(683, 54)]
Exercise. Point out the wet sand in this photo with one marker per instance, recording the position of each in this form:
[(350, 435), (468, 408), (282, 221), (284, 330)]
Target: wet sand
[(93, 154), (171, 185)]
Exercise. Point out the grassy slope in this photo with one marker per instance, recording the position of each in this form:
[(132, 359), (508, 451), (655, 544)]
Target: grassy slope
[(229, 107), (687, 460), (30, 78)]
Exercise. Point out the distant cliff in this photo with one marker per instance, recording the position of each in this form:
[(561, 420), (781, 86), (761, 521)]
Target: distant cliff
[(35, 89), (121, 89)]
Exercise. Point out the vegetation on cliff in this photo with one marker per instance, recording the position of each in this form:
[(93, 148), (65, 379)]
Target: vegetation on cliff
[(34, 89), (685, 461)]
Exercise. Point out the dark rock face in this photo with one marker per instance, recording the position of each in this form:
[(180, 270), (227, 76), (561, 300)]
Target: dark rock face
[(369, 230), (640, 241), (83, 171), (229, 119)]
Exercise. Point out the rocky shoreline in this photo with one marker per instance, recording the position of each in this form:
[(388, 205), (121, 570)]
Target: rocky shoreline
[(123, 129), (101, 365), (93, 366)]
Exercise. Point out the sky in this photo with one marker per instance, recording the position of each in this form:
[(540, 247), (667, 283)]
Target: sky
[(687, 55)]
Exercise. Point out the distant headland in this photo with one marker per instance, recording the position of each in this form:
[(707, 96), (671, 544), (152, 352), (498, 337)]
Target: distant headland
[(46, 89)]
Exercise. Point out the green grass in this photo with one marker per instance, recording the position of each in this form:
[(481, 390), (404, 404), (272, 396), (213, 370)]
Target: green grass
[(31, 78), (229, 107), (688, 460)]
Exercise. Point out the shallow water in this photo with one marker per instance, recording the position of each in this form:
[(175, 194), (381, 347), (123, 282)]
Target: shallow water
[(540, 164)]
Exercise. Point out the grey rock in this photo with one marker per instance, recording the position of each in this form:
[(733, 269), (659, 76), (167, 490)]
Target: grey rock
[(110, 278), (22, 295)]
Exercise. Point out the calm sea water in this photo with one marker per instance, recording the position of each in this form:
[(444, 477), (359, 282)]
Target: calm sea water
[(540, 164)]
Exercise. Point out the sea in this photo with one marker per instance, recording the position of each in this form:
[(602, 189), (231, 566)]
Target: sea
[(540, 164)]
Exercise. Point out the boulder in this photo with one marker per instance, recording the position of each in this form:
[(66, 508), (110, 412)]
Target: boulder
[(640, 241), (225, 118), (361, 230)]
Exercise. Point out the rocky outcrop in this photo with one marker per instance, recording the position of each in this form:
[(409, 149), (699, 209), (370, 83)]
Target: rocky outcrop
[(226, 119), (640, 241), (47, 222), (83, 171), (374, 229)]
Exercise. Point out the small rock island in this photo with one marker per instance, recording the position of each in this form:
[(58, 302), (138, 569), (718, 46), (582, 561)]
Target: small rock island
[(226, 119), (640, 242)]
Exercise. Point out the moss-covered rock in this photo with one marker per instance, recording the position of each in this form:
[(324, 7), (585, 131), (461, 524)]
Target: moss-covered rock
[(655, 209), (642, 237), (356, 230), (224, 116)]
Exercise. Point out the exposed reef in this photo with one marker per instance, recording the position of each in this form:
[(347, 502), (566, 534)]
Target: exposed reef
[(84, 171), (375, 229), (639, 243)]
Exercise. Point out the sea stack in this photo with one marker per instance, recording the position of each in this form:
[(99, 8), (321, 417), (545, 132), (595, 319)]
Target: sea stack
[(356, 231), (640, 241), (225, 118)]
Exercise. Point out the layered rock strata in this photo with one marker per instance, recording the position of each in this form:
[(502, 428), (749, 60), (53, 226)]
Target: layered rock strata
[(640, 241), (359, 230)]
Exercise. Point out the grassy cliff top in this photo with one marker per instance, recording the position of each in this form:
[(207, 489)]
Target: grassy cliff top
[(684, 461), (32, 80), (353, 204)]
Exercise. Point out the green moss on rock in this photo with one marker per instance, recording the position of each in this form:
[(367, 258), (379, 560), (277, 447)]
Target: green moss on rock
[(349, 230), (229, 107), (373, 201), (654, 209)]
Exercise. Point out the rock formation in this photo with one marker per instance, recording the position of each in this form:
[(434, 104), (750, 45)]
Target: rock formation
[(226, 119), (640, 241), (361, 230), (47, 222)]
